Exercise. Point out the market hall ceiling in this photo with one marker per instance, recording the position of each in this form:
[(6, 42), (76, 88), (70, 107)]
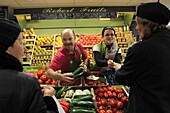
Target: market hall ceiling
[(74, 3)]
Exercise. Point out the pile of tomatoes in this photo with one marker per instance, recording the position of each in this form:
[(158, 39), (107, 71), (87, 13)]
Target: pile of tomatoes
[(110, 99), (42, 78)]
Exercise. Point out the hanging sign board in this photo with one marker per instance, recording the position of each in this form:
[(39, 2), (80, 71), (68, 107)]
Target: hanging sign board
[(74, 12)]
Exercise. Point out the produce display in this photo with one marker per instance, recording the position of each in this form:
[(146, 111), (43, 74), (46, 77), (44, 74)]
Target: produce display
[(80, 100), (110, 99), (43, 50), (42, 78), (44, 40), (105, 99), (90, 40), (89, 93), (89, 52)]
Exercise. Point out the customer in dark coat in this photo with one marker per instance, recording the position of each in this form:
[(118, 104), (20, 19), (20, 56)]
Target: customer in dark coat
[(146, 67), (19, 93)]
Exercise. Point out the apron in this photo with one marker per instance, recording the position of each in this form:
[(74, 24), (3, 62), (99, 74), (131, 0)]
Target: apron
[(74, 64)]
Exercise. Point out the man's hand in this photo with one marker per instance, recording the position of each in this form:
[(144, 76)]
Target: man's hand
[(66, 77)]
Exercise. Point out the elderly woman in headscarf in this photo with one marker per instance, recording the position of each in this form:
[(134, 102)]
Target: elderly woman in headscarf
[(146, 67)]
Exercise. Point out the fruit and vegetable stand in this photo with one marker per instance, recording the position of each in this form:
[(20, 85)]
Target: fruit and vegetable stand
[(99, 99), (92, 94)]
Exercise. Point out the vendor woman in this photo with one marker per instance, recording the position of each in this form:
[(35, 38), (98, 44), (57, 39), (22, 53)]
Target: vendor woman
[(106, 52)]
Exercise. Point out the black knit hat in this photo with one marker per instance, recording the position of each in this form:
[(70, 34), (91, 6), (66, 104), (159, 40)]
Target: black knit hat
[(9, 32), (155, 12)]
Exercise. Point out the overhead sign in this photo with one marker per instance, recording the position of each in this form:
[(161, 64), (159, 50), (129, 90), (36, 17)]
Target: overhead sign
[(74, 12)]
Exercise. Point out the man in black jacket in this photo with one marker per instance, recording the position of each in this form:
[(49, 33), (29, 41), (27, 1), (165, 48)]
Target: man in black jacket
[(19, 93), (146, 67)]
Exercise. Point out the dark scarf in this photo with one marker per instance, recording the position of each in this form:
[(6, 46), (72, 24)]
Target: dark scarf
[(7, 61)]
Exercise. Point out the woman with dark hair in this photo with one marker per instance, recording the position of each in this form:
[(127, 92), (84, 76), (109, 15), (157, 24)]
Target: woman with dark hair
[(146, 67), (105, 52)]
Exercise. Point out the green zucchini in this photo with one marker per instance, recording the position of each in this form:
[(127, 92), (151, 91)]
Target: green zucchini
[(84, 98), (79, 96), (83, 103), (82, 111), (78, 75), (78, 70), (81, 107)]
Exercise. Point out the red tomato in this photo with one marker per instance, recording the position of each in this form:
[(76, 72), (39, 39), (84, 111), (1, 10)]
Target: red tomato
[(96, 91), (43, 78), (97, 110), (124, 99), (105, 89), (103, 102), (101, 89), (99, 103), (102, 111), (40, 72), (98, 98), (100, 94), (119, 105), (101, 108), (111, 102), (110, 89), (114, 110), (119, 90), (105, 95), (110, 93), (115, 89), (109, 111), (114, 94), (120, 95)]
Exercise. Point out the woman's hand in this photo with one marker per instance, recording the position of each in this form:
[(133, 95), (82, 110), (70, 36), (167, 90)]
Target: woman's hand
[(48, 91), (116, 66), (110, 63)]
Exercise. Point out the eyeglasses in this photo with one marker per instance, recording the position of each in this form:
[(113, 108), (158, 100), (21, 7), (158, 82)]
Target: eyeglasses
[(107, 35)]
